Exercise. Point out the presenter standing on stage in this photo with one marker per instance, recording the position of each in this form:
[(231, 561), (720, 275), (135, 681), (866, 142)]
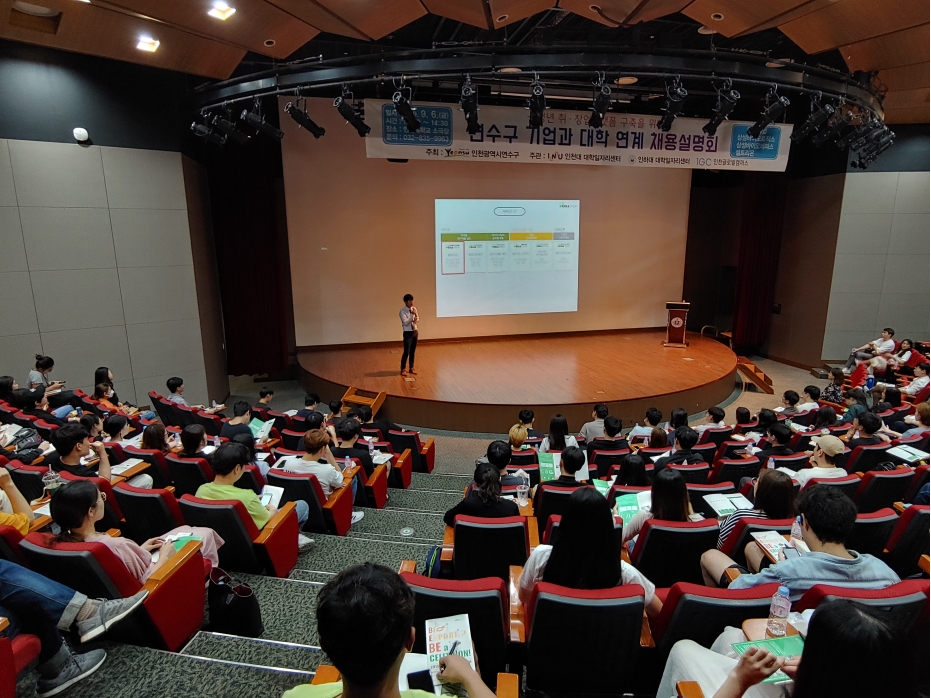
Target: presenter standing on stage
[(409, 320)]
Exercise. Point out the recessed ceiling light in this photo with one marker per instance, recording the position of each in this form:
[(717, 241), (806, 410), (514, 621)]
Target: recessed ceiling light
[(778, 63), (87, 1), (221, 10), (717, 16), (595, 8), (502, 18), (626, 80), (147, 43), (705, 30), (510, 70), (34, 10), (269, 42)]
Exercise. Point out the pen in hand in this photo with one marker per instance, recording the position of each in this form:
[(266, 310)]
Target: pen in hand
[(452, 650)]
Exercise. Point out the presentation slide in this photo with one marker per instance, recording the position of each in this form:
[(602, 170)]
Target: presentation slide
[(503, 257)]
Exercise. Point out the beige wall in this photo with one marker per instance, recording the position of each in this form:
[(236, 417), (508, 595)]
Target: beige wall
[(361, 235)]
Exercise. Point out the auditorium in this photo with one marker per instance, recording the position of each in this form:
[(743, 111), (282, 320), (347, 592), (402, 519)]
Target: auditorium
[(327, 325)]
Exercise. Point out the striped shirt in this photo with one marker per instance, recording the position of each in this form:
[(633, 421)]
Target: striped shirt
[(730, 523)]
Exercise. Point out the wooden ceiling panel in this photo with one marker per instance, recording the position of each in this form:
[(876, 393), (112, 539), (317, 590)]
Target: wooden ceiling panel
[(85, 28), (613, 12), (909, 115), (375, 18), (516, 10), (654, 9), (906, 99), (739, 15), (317, 16), (905, 47), (907, 77), (852, 21), (801, 10), (466, 11)]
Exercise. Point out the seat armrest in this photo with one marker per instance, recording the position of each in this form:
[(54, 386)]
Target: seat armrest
[(689, 689), (625, 555), (408, 566), (403, 467), (533, 532), (377, 486), (924, 562), (731, 574), (899, 507), (169, 488), (449, 542), (428, 452), (516, 612), (338, 510), (39, 523), (114, 532), (4, 623), (170, 568), (326, 674), (275, 522), (646, 635), (508, 686)]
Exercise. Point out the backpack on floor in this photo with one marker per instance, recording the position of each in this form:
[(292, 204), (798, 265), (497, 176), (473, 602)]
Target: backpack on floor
[(432, 568)]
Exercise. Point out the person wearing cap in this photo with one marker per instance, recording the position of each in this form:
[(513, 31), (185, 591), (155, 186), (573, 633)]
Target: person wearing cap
[(824, 456)]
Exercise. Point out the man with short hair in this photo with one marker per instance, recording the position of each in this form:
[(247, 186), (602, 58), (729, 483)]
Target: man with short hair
[(884, 345), (499, 455), (868, 424), (409, 320), (239, 424), (571, 461), (348, 433), (826, 452), (365, 622), (714, 419), (609, 440), (595, 428), (72, 443), (652, 419), (921, 380), (383, 425), (175, 387), (336, 412), (811, 396), (229, 462), (685, 439), (266, 395), (790, 400), (779, 437), (311, 400), (828, 517), (526, 417)]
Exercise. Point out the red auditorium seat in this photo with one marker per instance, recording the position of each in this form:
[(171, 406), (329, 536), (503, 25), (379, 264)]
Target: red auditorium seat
[(733, 470), (900, 605), (9, 545), (552, 500), (697, 492), (918, 481), (374, 488), (149, 513), (909, 540), (113, 515), (333, 515), (864, 458), (743, 532), (158, 469), (847, 484), (715, 435), (795, 462), (211, 423), (423, 455), (882, 488), (27, 478), (667, 552), (488, 547), (697, 473), (188, 473), (871, 531), (604, 461), (15, 656), (552, 530)]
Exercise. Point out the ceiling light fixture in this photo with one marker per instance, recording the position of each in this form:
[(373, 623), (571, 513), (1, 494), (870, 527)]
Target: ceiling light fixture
[(706, 30), (774, 109), (502, 18), (727, 100), (34, 10), (224, 123), (147, 43), (468, 103), (717, 16), (537, 103), (832, 131), (600, 104), (208, 134), (297, 110), (402, 105), (512, 69), (675, 100), (351, 115), (626, 80), (819, 115), (221, 10), (255, 119)]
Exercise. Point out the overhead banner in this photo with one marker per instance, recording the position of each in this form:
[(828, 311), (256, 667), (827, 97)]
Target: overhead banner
[(626, 140)]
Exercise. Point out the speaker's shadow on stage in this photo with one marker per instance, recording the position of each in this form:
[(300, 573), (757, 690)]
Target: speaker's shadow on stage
[(382, 374)]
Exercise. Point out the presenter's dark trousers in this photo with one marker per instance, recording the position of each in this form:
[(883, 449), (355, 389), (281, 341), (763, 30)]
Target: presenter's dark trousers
[(410, 346)]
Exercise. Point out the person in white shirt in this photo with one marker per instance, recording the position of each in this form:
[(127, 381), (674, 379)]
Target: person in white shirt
[(652, 419), (409, 319), (175, 387), (921, 380), (812, 394), (595, 429), (883, 345), (825, 453), (714, 418), (559, 437)]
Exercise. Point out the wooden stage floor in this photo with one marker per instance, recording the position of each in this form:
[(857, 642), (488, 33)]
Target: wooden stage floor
[(480, 384)]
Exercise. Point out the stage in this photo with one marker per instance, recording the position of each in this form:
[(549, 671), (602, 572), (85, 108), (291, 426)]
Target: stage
[(480, 384)]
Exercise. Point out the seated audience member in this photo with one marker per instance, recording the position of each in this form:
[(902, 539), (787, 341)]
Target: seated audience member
[(383, 425), (825, 417), (348, 432), (228, 463), (742, 416), (913, 424), (116, 427), (683, 441), (790, 400), (194, 443), (34, 403), (559, 437), (319, 462), (499, 455), (571, 461), (595, 428), (826, 451), (812, 394), (839, 632), (58, 396), (365, 620), (609, 439), (884, 345), (651, 420), (885, 398), (897, 361), (76, 506), (239, 424), (92, 424), (828, 517), (669, 501), (336, 411), (35, 605), (773, 498), (316, 420), (155, 437), (585, 554), (7, 385), (176, 395), (633, 471), (21, 515), (924, 495), (764, 419), (868, 426), (855, 399), (484, 498), (248, 441), (920, 382), (714, 418), (834, 391), (677, 418), (266, 395), (658, 438), (526, 418), (106, 397), (311, 400), (779, 437), (105, 375), (517, 436), (72, 443)]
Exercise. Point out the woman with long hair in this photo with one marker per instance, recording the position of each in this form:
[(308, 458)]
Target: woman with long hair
[(483, 498), (633, 472), (773, 497), (658, 438), (669, 501), (834, 391), (586, 553), (855, 399), (885, 398), (155, 438), (7, 385), (558, 438), (677, 418), (77, 505), (825, 417)]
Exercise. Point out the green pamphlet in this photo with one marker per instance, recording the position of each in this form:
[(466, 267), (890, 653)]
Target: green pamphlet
[(548, 469), (603, 486), (628, 505), (184, 540), (787, 646)]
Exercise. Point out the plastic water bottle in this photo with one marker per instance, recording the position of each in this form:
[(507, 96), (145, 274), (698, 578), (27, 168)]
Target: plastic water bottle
[(778, 613), (770, 464), (797, 528), (870, 382), (371, 448), (347, 463)]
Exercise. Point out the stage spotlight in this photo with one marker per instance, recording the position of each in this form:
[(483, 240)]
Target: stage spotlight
[(257, 121), (600, 106), (868, 158), (820, 113), (675, 100), (468, 103), (536, 104), (727, 100), (775, 107), (302, 119), (403, 107), (229, 129), (852, 133), (876, 131), (208, 134), (832, 131), (351, 115)]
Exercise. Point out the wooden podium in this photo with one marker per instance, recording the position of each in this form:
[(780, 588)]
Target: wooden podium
[(677, 312)]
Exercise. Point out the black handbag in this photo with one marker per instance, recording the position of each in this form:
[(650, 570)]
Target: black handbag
[(234, 608)]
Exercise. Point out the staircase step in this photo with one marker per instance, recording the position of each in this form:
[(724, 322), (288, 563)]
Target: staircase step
[(287, 608), (336, 553), (434, 501), (386, 524), (258, 652), (147, 673), (311, 576), (438, 481)]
